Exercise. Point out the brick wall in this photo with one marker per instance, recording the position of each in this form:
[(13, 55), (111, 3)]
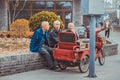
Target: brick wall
[(16, 63)]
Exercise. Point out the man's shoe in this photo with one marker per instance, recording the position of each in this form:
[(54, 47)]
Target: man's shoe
[(55, 68)]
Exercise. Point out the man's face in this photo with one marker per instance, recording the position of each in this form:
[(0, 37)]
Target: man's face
[(70, 28), (46, 27), (57, 26)]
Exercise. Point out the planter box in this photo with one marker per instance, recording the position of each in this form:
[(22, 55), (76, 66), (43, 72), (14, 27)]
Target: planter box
[(17, 63), (110, 49), (116, 28)]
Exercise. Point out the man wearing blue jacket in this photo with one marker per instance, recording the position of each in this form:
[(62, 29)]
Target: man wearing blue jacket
[(39, 43)]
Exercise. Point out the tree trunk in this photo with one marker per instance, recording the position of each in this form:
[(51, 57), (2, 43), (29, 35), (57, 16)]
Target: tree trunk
[(3, 15)]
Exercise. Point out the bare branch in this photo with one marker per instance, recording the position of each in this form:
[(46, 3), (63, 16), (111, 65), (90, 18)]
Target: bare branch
[(21, 9), (14, 8)]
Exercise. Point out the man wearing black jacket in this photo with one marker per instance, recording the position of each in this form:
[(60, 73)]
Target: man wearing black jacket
[(53, 36)]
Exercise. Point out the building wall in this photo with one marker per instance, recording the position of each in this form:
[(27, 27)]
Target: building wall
[(115, 3), (62, 8), (76, 16), (77, 19), (3, 15)]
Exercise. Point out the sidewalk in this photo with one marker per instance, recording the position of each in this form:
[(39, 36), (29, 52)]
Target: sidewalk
[(109, 71)]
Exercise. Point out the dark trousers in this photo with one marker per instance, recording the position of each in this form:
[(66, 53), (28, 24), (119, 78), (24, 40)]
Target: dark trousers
[(107, 33), (48, 54)]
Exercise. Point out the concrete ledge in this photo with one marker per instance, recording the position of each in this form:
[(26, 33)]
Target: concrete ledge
[(17, 63), (110, 49), (116, 28)]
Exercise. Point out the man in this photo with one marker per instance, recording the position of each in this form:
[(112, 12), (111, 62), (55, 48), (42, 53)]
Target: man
[(71, 28), (53, 36), (39, 43), (107, 28)]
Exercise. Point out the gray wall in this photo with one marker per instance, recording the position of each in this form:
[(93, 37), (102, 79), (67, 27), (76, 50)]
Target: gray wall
[(77, 20), (76, 13)]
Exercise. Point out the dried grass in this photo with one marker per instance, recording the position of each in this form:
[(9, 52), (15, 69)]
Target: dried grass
[(14, 45)]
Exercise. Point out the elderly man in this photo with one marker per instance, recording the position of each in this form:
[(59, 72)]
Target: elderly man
[(71, 28), (53, 36), (39, 43)]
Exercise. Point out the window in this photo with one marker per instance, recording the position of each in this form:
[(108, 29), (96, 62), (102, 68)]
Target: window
[(38, 5), (21, 4), (68, 18), (50, 5), (59, 14), (62, 9), (64, 5)]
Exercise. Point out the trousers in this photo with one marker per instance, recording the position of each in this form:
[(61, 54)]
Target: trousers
[(48, 54)]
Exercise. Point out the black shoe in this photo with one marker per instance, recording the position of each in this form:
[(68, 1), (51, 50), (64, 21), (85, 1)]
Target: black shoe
[(54, 68)]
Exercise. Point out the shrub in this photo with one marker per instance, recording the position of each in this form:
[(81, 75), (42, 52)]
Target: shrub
[(36, 19), (28, 34), (19, 27)]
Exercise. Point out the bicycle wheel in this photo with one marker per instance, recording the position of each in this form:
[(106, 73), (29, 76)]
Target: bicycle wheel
[(101, 59), (84, 64), (62, 66)]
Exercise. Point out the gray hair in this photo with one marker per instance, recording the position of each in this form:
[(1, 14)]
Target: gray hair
[(56, 22), (44, 23), (71, 24)]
